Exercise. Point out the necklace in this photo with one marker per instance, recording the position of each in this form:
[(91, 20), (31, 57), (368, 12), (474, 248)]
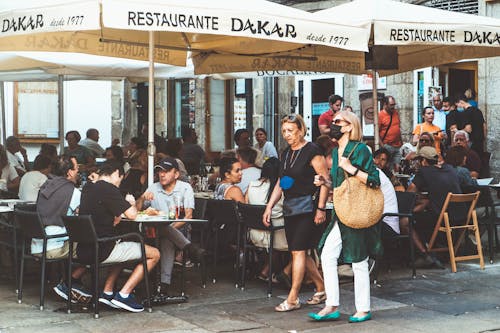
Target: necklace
[(293, 158)]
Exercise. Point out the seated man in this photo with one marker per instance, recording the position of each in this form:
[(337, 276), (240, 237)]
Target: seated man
[(473, 161), (105, 203), (163, 195), (438, 180), (58, 196), (13, 146)]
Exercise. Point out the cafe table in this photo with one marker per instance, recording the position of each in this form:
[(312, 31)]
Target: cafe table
[(157, 221)]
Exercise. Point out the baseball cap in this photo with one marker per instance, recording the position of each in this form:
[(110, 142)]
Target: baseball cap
[(167, 164), (428, 153)]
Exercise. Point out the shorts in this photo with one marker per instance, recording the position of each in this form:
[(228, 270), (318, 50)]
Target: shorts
[(59, 253), (124, 251)]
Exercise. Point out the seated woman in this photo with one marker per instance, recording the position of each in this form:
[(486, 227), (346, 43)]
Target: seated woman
[(258, 194), (230, 170), (135, 179), (426, 139)]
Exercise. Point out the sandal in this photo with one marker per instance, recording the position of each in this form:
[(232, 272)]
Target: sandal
[(317, 298), (285, 306)]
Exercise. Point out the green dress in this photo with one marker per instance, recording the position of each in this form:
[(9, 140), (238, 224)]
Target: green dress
[(357, 244)]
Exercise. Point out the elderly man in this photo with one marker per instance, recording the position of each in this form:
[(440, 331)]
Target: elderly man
[(439, 113), (13, 146), (473, 161), (91, 142), (326, 118), (390, 131)]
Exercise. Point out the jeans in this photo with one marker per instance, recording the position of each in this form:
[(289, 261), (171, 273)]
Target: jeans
[(170, 239), (329, 258)]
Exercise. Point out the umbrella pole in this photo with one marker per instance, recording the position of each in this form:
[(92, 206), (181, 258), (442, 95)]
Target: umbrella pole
[(2, 101), (151, 109), (375, 110), (60, 107)]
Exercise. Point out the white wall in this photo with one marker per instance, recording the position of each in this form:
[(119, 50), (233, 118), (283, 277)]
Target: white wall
[(87, 104)]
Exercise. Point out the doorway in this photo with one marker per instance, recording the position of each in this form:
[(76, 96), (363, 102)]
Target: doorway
[(461, 80)]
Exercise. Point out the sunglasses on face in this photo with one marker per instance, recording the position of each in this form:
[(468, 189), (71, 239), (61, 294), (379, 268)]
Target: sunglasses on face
[(424, 140)]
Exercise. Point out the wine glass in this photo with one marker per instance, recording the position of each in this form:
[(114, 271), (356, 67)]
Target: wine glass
[(208, 166)]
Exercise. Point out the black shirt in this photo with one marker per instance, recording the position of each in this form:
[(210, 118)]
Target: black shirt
[(297, 164), (438, 182), (104, 202)]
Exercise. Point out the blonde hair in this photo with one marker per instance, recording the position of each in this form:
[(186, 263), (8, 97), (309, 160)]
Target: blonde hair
[(356, 133), (297, 120)]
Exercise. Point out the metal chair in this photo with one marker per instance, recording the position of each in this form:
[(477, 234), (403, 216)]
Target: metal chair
[(81, 230), (250, 217), (30, 226), (222, 216), (406, 203), (446, 225)]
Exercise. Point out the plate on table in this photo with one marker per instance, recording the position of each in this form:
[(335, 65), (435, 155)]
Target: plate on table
[(484, 181), (401, 175), (5, 209)]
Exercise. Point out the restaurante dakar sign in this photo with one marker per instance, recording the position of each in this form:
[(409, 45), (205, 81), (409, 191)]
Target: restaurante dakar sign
[(488, 38), (211, 23)]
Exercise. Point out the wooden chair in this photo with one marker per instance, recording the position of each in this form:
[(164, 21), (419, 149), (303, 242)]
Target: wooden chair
[(443, 224)]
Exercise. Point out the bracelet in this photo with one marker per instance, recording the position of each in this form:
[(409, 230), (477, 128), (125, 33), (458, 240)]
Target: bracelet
[(321, 209), (355, 172)]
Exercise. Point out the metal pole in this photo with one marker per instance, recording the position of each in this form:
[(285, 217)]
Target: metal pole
[(151, 110), (375, 110), (2, 101), (60, 107)]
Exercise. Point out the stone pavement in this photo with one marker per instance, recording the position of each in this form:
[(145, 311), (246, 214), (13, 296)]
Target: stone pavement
[(437, 301)]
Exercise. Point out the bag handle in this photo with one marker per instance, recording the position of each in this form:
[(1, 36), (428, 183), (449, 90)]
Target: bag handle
[(387, 130), (346, 175)]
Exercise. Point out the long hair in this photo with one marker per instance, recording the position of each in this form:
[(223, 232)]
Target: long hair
[(356, 133), (270, 171)]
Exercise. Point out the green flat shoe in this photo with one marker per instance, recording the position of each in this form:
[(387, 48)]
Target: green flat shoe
[(353, 319), (331, 316)]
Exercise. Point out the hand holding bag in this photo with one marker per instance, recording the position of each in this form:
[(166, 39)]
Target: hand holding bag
[(357, 205)]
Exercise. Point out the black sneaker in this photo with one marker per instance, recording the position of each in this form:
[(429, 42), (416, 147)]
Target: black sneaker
[(127, 303), (106, 299)]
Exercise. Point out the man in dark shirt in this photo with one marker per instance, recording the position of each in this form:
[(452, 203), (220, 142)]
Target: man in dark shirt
[(473, 123), (437, 180), (105, 203)]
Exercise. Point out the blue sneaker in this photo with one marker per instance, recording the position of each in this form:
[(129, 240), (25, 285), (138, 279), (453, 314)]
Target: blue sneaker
[(127, 303), (79, 293), (62, 290), (106, 299)]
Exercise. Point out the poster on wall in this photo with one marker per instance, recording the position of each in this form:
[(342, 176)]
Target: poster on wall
[(433, 91), (365, 82), (240, 113), (366, 106), (36, 113)]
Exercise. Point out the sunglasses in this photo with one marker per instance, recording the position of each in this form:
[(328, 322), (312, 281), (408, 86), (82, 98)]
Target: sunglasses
[(339, 121), (290, 117), (424, 140)]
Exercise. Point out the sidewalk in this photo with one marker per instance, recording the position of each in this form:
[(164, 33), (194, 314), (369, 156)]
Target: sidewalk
[(436, 301)]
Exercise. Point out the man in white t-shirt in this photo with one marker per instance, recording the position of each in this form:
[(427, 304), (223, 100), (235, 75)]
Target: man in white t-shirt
[(33, 180), (246, 156), (91, 142), (390, 202), (13, 146)]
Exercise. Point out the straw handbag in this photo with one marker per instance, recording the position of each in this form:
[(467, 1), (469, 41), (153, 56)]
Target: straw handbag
[(357, 205)]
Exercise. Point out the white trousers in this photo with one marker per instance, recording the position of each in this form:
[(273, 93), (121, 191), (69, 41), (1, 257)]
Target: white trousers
[(329, 258)]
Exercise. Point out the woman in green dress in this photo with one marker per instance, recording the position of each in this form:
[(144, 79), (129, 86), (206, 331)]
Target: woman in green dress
[(356, 245)]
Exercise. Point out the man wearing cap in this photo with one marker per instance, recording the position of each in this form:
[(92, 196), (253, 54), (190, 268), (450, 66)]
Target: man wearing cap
[(163, 195), (437, 179)]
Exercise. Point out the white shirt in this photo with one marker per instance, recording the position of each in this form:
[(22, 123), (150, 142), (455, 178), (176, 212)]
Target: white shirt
[(15, 161), (248, 174), (30, 185), (439, 118), (390, 201), (268, 150), (8, 175), (93, 146)]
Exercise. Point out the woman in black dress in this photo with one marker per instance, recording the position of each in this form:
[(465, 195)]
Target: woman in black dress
[(300, 162)]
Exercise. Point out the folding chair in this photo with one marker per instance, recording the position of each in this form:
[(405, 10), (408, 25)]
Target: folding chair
[(81, 230), (250, 217), (443, 224)]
